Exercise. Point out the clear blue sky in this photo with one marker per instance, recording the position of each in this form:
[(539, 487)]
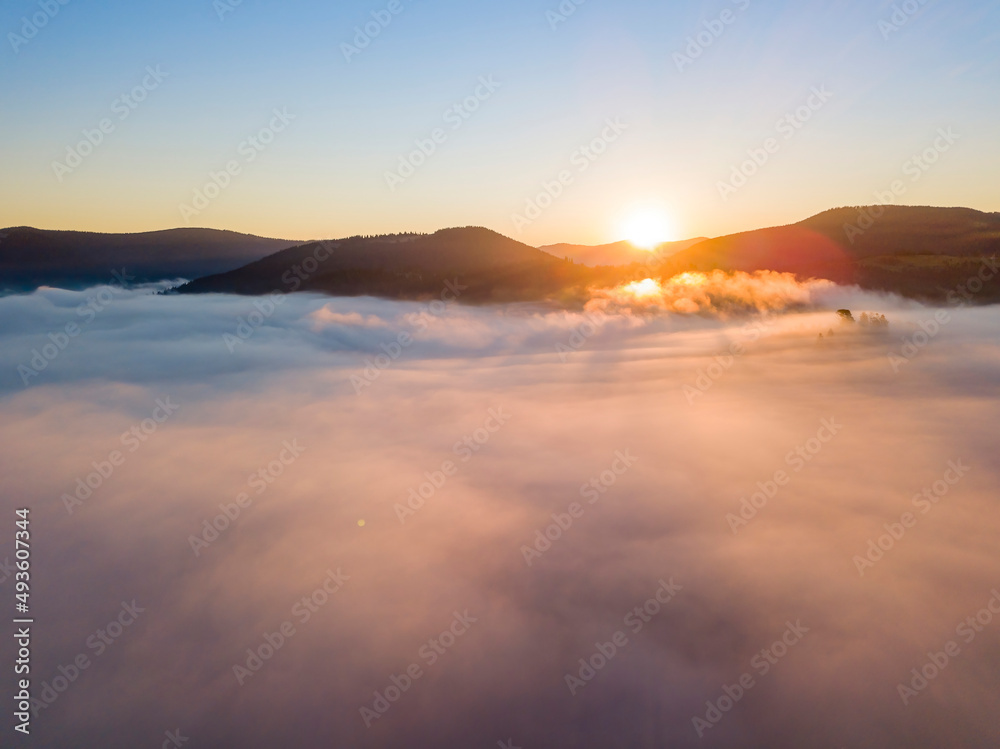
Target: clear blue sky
[(324, 173)]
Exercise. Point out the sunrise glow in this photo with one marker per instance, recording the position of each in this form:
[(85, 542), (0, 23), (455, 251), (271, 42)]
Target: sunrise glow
[(648, 228)]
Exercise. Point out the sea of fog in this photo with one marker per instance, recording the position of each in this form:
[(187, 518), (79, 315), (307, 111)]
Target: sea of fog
[(669, 520)]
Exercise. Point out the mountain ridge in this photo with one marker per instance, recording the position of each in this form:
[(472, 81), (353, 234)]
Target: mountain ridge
[(31, 257), (492, 266), (922, 252)]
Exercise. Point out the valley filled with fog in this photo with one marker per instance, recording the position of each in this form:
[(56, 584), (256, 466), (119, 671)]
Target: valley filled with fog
[(705, 513)]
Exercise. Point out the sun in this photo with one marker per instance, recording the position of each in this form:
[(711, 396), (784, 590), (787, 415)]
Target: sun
[(648, 228)]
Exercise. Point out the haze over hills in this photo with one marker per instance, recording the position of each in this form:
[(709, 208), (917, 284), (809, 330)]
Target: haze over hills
[(32, 257), (616, 253)]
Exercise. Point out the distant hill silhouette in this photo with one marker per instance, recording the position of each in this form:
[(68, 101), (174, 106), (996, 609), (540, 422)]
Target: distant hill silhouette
[(413, 266), (919, 252), (616, 253), (73, 259)]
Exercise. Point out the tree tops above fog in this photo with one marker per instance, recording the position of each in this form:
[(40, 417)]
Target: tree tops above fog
[(867, 320)]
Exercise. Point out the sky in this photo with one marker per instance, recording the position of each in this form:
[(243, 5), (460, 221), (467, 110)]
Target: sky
[(545, 122)]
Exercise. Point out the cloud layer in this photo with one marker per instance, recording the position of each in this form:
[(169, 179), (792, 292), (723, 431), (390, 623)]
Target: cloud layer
[(717, 293), (540, 472)]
